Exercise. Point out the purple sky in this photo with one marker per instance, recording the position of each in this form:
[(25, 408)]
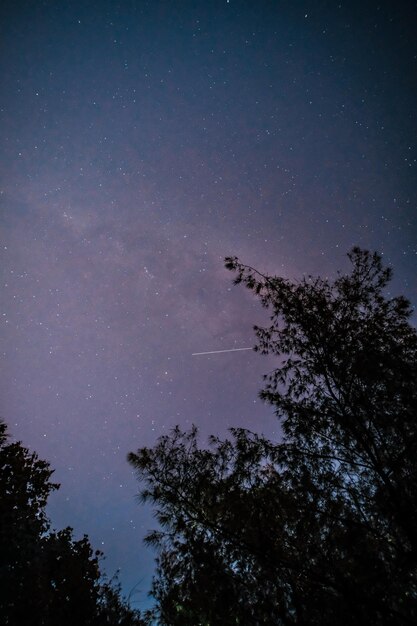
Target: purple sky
[(142, 142)]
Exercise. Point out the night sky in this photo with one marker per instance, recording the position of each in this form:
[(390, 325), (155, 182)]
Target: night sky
[(141, 143)]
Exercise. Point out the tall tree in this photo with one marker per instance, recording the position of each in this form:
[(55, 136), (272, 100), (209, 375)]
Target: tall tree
[(319, 528)]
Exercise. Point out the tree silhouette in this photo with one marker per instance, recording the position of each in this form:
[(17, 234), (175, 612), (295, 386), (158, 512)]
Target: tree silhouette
[(46, 577), (319, 528)]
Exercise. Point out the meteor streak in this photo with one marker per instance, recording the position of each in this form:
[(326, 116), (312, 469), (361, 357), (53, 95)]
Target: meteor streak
[(218, 351)]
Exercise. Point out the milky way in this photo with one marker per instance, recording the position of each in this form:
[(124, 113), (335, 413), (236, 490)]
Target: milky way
[(142, 142)]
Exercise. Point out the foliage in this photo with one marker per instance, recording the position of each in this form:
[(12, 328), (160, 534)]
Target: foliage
[(46, 577), (321, 527)]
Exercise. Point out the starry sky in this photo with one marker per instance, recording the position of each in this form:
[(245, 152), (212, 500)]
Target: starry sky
[(141, 143)]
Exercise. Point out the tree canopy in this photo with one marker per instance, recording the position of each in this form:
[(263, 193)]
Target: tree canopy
[(319, 527), (47, 578)]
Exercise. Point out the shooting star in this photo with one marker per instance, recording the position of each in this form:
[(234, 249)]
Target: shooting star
[(218, 351)]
